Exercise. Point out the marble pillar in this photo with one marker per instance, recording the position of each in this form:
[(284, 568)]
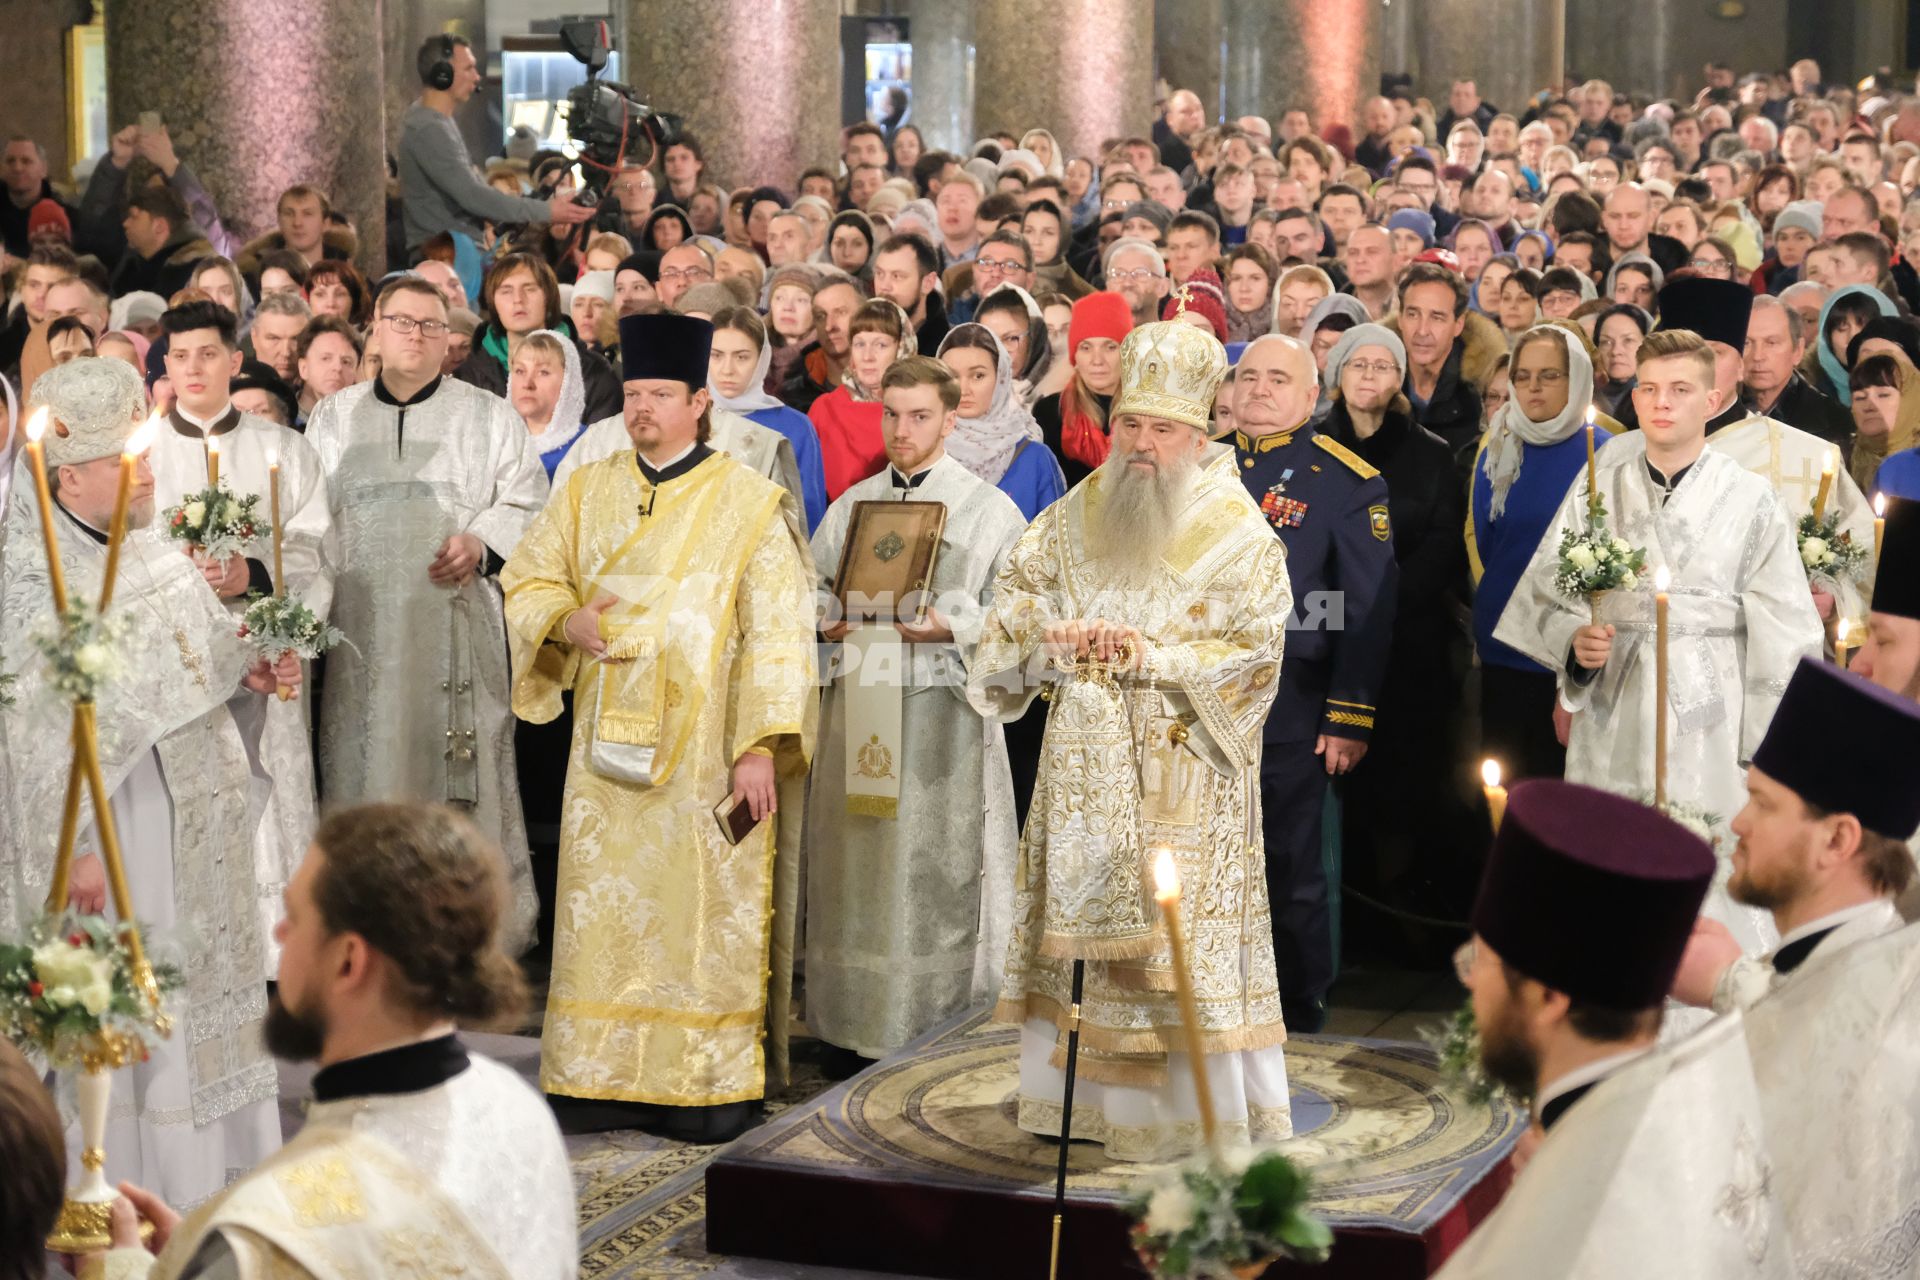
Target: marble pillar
[(757, 81), (943, 50), (258, 97), (1508, 47), (1322, 55), (1081, 68), (405, 26), (1187, 50), (1660, 52)]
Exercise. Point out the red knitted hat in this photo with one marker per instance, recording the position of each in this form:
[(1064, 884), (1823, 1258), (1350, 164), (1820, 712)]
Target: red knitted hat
[(48, 213), (1098, 315), (1205, 298)]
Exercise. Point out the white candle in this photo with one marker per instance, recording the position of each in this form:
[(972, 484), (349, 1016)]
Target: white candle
[(1496, 794)]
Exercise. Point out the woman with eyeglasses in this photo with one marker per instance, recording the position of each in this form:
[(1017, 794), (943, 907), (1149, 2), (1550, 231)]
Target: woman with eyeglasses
[(1617, 335), (1533, 451), (1403, 785)]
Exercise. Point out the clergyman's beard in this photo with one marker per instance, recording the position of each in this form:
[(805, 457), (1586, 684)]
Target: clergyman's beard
[(1771, 892), (1509, 1059), (140, 512), (1140, 511), (293, 1035)]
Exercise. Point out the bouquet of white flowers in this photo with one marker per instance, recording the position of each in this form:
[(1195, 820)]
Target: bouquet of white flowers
[(220, 525), (1595, 560), (274, 626), (1827, 551), (81, 649), (68, 989), (1228, 1217)]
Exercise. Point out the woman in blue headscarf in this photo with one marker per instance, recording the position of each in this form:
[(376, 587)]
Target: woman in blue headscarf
[(1846, 313)]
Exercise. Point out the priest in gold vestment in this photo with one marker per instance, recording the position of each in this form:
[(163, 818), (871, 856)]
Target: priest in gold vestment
[(667, 590), (1157, 590)]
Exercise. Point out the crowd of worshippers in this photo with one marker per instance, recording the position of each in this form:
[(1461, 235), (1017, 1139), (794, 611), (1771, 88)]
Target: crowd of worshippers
[(1457, 293)]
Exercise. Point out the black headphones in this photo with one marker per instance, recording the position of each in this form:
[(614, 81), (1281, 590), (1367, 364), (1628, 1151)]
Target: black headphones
[(435, 62)]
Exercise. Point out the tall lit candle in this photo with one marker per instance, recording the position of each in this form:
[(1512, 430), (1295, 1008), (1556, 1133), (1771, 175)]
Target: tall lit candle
[(1166, 891), (37, 456), (1661, 581), (213, 462), (137, 444), (1842, 636), (1879, 524), (1826, 484), (1496, 794), (1593, 483), (273, 487)]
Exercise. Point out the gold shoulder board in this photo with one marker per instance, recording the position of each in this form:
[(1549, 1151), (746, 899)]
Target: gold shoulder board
[(1357, 464)]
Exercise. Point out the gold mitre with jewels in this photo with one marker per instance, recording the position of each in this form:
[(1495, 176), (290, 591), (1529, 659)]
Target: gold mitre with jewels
[(1170, 369)]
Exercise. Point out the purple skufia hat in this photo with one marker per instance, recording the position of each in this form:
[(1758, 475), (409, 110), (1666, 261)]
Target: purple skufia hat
[(1592, 894)]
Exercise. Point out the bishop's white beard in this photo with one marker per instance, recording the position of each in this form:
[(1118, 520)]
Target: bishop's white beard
[(1140, 513)]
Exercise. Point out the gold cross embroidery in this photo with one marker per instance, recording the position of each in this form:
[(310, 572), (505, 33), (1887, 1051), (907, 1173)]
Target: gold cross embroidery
[(323, 1192), (189, 659)]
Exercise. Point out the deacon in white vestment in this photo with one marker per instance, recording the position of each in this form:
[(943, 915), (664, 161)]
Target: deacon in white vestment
[(911, 831), (1790, 460), (432, 482), (1822, 837), (1740, 616), (1157, 585), (173, 729), (202, 352), (1654, 1162), (429, 1158), (762, 450)]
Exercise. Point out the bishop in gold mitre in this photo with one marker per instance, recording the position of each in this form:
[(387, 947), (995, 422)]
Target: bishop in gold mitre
[(1150, 605)]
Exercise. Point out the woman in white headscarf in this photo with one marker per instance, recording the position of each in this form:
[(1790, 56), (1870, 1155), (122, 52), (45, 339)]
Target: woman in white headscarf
[(1534, 450), (545, 388), (1046, 150), (736, 379), (995, 436)]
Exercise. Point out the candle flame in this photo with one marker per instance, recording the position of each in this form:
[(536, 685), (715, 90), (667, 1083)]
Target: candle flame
[(1591, 413), (1490, 772), (213, 444), (1662, 579), (37, 424), (1827, 466), (142, 438), (1841, 632), (273, 458), (1879, 505), (1166, 879)]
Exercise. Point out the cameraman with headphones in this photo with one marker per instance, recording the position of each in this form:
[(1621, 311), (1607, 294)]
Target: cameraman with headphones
[(439, 190)]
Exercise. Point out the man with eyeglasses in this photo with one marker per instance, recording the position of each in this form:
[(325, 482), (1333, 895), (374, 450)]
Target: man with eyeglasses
[(1004, 258), (684, 266), (432, 481), (1137, 272), (634, 191)]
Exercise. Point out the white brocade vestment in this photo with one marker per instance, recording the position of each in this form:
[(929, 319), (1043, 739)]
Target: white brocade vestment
[(1662, 1171), (1164, 758), (174, 733), (285, 750), (907, 915), (488, 1141), (1739, 619), (419, 710)]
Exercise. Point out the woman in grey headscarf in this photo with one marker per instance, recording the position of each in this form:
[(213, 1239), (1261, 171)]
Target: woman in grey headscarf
[(1332, 316), (1002, 311), (995, 436), (1643, 293)]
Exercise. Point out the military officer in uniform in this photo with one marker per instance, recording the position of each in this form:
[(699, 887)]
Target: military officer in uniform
[(1329, 507)]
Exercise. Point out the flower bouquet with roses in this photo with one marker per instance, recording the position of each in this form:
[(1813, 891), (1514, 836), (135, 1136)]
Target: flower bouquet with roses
[(1593, 560), (215, 522), (1827, 551), (68, 989), (1228, 1217)]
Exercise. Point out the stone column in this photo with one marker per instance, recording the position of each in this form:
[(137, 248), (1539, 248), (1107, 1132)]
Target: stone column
[(1509, 47), (1323, 55), (405, 26), (758, 81), (1081, 68), (1187, 50), (943, 51), (258, 97)]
